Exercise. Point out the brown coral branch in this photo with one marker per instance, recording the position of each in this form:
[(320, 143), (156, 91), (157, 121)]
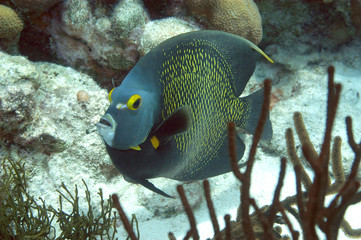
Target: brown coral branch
[(227, 219), (188, 210), (295, 234), (276, 197), (337, 168), (259, 129), (246, 221), (292, 154), (171, 236), (245, 178), (345, 226), (351, 139), (318, 189), (288, 203), (212, 212), (257, 136), (335, 213), (355, 147), (188, 235), (336, 210), (348, 230), (330, 219), (266, 224), (232, 148), (303, 134), (123, 217), (299, 197)]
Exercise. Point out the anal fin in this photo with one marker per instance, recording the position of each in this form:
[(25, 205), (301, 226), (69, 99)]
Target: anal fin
[(145, 183), (153, 188)]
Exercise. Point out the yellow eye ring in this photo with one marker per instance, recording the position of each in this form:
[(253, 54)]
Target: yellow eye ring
[(134, 102), (110, 95)]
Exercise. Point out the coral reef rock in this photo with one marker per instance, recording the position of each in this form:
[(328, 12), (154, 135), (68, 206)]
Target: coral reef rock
[(10, 23), (240, 17), (35, 5), (356, 14), (128, 15), (90, 39), (158, 31), (312, 23), (17, 86), (39, 107)]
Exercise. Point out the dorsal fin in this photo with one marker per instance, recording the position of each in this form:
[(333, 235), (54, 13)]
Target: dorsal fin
[(255, 47)]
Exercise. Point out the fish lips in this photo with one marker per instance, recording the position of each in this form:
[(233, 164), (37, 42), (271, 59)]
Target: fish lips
[(106, 128)]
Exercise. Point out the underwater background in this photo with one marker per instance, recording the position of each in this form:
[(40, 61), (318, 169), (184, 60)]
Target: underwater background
[(59, 59)]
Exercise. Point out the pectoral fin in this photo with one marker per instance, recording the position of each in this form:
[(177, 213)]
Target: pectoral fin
[(178, 122)]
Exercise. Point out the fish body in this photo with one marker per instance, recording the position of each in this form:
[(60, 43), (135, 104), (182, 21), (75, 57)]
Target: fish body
[(169, 116)]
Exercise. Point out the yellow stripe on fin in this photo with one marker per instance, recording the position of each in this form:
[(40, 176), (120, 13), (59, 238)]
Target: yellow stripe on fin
[(255, 47)]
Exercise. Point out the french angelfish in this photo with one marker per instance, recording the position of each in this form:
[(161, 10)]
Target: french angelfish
[(169, 116)]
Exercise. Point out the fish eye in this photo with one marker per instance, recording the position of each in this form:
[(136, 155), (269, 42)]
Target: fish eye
[(134, 102), (110, 95)]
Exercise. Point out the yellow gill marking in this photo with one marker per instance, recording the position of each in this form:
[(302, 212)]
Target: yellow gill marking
[(137, 148), (110, 95)]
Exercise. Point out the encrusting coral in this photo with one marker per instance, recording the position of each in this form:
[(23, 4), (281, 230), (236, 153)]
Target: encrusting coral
[(10, 23), (239, 17)]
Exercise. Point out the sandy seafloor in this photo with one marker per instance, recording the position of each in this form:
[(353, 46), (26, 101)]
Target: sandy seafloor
[(302, 78)]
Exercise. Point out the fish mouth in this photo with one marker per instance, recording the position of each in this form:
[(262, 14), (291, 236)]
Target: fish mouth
[(106, 122), (106, 128)]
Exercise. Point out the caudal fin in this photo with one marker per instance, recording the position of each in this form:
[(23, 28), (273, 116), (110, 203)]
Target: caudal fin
[(255, 102)]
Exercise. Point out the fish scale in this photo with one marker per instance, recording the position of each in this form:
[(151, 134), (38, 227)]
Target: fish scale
[(211, 99)]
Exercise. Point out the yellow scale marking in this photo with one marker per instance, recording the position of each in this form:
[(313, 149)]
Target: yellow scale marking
[(196, 74)]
